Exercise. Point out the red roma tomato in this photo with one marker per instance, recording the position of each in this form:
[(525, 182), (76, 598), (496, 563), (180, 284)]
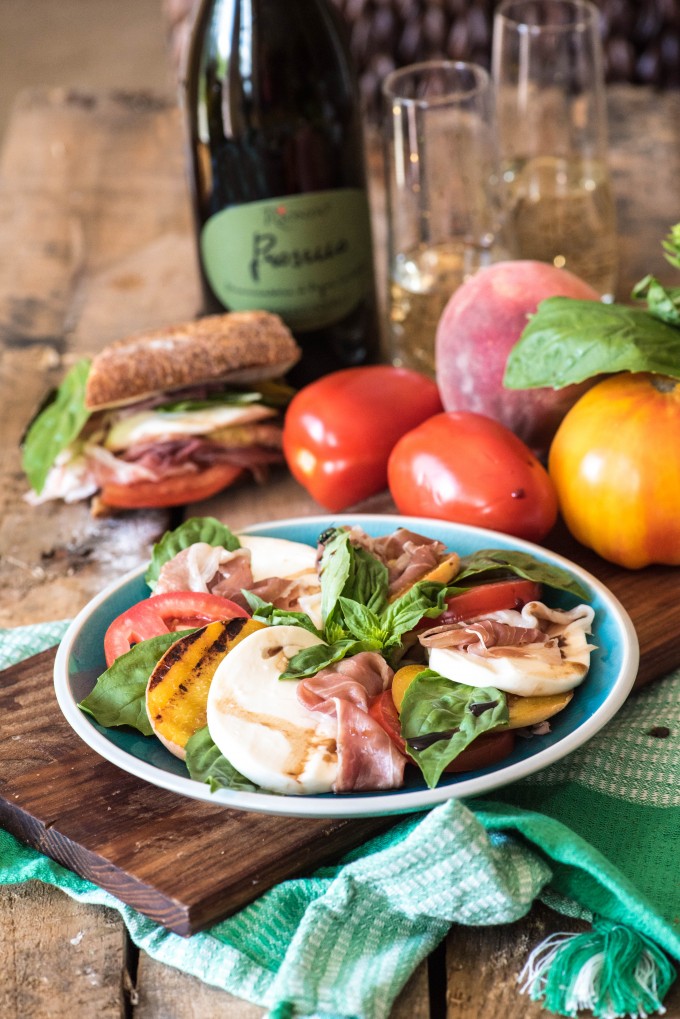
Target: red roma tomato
[(486, 749), (163, 613), (177, 490), (338, 431), (615, 462), (471, 469)]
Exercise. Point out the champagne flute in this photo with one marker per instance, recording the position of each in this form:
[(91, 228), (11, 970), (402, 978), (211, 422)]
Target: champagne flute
[(443, 217), (549, 85)]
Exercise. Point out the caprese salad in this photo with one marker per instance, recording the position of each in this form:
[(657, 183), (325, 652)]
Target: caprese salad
[(269, 664)]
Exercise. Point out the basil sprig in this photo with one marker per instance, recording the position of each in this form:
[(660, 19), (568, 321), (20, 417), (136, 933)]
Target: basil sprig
[(56, 426), (356, 610), (568, 341)]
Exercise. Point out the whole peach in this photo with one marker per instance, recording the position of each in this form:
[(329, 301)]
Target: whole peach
[(480, 324)]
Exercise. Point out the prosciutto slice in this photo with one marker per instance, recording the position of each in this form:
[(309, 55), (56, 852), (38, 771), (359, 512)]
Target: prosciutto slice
[(154, 461), (367, 757), (407, 555), (536, 632), (203, 567)]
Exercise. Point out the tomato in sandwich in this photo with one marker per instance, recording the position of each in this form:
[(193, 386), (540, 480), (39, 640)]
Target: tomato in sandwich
[(164, 613), (176, 490)]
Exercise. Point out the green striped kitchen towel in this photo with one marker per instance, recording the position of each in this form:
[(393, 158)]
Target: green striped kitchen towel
[(597, 834)]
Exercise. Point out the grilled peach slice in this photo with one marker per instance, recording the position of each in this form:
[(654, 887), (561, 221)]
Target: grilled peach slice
[(177, 691)]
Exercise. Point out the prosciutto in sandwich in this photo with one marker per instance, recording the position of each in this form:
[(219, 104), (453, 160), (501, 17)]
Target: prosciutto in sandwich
[(167, 417)]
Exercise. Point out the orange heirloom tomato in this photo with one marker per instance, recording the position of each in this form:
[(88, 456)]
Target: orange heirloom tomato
[(615, 462)]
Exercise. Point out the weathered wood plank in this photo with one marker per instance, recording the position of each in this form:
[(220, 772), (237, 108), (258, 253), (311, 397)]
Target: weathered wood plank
[(483, 964), (59, 957), (162, 992), (95, 210)]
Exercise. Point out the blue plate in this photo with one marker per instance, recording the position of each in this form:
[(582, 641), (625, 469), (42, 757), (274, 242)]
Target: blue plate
[(80, 660)]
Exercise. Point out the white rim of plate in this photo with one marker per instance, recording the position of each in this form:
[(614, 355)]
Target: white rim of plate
[(367, 804)]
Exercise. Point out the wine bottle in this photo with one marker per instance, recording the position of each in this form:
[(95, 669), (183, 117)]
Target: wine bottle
[(278, 175)]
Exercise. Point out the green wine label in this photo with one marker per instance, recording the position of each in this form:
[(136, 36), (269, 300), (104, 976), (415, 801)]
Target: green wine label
[(306, 257)]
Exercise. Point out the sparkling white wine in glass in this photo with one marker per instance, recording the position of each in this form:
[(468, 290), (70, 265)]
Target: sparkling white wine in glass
[(421, 283), (443, 199), (562, 211), (549, 89)]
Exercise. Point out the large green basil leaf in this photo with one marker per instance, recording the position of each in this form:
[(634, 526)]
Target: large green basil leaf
[(206, 763), (56, 426), (119, 695), (492, 564), (433, 704), (568, 341), (206, 529)]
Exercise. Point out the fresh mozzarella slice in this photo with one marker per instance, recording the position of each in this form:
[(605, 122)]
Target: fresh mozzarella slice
[(257, 722), (157, 426), (278, 557), (527, 671)]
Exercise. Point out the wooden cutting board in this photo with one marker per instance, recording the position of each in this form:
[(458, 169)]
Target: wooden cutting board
[(186, 863)]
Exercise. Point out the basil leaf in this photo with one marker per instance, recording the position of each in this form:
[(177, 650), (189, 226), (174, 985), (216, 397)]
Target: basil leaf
[(56, 426), (352, 573), (499, 562), (424, 598), (360, 622), (119, 695), (206, 529), (433, 704), (662, 302), (568, 341), (270, 614), (671, 246), (368, 582), (206, 763), (336, 565), (311, 660)]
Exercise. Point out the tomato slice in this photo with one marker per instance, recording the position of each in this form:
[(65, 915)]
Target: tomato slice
[(489, 748), (164, 613), (176, 490), (485, 598), (384, 711)]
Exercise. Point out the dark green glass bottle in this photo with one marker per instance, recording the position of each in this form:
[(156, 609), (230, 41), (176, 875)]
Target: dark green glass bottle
[(278, 175)]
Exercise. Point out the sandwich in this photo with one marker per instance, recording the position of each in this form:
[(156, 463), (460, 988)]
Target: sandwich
[(166, 417)]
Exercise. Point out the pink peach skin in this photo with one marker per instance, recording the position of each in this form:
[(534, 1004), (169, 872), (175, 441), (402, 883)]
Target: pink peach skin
[(480, 324)]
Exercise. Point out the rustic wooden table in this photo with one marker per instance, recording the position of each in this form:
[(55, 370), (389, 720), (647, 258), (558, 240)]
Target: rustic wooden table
[(96, 242)]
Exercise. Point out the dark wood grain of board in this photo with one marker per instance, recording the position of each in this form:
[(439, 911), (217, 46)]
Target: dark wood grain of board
[(182, 862)]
